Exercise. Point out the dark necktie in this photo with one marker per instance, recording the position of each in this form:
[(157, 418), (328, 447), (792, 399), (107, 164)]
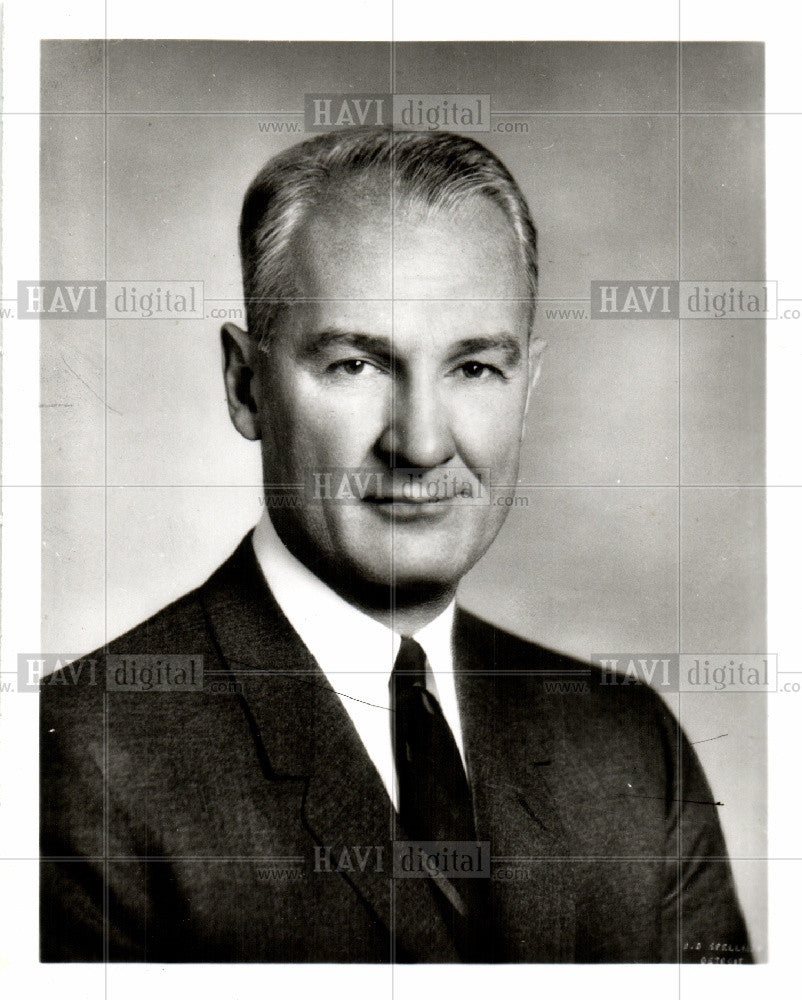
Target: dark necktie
[(434, 797)]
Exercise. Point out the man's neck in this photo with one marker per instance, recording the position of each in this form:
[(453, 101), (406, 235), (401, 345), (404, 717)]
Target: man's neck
[(400, 616)]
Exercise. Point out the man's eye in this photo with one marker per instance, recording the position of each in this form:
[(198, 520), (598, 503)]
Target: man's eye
[(477, 370), (349, 366)]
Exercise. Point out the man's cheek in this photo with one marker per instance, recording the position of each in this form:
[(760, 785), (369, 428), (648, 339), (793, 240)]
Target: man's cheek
[(346, 435), (489, 441)]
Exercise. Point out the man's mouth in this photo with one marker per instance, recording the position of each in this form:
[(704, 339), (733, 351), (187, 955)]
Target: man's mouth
[(406, 500), (397, 508)]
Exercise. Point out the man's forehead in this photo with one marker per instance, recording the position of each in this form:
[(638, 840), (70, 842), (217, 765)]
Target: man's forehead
[(418, 321), (383, 249)]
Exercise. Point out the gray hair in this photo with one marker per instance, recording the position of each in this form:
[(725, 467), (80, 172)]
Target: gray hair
[(439, 169)]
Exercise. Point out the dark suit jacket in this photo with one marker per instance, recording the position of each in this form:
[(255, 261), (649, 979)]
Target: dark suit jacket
[(185, 823)]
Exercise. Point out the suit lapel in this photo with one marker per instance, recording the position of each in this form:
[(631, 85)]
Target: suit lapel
[(304, 734), (509, 748)]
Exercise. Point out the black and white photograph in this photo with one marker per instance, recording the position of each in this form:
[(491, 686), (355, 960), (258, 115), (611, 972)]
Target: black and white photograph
[(403, 574)]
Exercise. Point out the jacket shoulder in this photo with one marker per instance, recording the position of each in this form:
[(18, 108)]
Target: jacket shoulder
[(177, 628), (584, 696), (170, 630)]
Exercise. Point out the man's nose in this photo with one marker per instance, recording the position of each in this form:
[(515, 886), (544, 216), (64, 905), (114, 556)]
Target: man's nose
[(418, 433)]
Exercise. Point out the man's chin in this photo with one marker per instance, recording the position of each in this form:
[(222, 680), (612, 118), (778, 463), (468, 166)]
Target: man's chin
[(401, 575), (388, 582)]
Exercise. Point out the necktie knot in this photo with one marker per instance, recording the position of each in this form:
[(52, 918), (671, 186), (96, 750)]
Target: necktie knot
[(410, 663), (409, 681)]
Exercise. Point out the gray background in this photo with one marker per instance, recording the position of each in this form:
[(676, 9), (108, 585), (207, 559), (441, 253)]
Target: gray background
[(643, 463)]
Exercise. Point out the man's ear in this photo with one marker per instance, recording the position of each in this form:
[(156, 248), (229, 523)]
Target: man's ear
[(536, 348), (239, 373)]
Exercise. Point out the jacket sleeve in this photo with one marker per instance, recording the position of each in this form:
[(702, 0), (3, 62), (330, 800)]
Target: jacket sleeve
[(702, 920)]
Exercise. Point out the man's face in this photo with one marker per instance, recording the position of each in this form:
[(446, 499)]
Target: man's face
[(411, 368)]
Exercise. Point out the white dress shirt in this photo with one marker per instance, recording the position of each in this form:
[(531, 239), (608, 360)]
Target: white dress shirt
[(355, 651)]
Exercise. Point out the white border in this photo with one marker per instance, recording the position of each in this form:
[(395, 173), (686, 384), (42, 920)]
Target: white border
[(24, 24)]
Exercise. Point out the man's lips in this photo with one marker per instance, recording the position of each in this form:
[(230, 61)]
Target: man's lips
[(411, 510), (410, 501)]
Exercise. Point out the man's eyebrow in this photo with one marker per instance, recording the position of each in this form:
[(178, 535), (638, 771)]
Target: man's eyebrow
[(510, 346), (369, 343), (382, 347)]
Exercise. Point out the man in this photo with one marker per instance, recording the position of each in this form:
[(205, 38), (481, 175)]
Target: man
[(367, 731)]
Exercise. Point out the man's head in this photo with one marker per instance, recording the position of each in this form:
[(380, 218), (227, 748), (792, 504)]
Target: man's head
[(390, 281)]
